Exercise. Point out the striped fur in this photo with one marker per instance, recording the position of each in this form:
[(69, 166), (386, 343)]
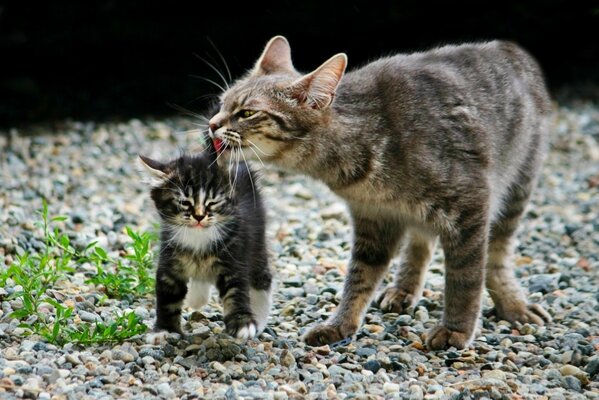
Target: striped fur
[(212, 234), (440, 144)]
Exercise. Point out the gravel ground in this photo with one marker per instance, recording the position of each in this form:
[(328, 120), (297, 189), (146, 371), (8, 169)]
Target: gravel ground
[(88, 172)]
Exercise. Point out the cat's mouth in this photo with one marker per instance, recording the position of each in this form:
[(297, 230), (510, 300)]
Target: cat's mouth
[(219, 145)]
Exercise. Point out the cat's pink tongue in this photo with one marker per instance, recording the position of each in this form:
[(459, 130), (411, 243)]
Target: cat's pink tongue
[(218, 144)]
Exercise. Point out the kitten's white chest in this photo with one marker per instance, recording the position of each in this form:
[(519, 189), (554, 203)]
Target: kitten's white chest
[(196, 239)]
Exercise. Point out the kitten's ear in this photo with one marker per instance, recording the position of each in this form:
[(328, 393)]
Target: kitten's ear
[(276, 57), (317, 89), (158, 170)]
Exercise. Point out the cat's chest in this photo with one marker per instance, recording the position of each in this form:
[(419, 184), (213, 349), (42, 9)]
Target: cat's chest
[(194, 254), (198, 267)]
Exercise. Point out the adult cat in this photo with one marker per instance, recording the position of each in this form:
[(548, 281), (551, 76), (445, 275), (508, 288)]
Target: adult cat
[(444, 143)]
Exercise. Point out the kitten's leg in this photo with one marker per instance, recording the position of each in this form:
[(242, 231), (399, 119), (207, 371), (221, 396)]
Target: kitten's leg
[(409, 279), (510, 302), (198, 294), (375, 242), (465, 257), (234, 292), (260, 302), (171, 289)]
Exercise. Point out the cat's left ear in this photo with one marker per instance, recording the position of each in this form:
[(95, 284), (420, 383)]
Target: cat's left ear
[(276, 57), (158, 170), (317, 89)]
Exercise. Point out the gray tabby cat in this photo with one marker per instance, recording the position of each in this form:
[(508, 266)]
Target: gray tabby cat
[(441, 144)]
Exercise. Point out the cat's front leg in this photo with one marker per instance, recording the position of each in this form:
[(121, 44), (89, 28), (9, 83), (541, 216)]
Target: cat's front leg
[(375, 243), (465, 257), (171, 288), (240, 322)]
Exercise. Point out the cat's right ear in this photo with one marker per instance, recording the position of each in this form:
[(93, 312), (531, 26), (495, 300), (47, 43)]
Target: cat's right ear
[(159, 171), (276, 57)]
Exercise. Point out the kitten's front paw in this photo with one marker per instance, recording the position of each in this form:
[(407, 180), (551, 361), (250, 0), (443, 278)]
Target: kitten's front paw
[(156, 338), (524, 313), (241, 326), (440, 338), (396, 300), (323, 334)]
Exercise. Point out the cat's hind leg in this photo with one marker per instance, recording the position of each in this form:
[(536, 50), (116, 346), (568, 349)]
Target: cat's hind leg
[(234, 292), (260, 303), (409, 279), (198, 294), (502, 284)]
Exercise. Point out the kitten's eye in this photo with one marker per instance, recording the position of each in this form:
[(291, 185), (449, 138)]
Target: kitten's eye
[(247, 113), (185, 203)]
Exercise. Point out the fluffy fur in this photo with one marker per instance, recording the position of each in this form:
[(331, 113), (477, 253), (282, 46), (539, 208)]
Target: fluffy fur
[(212, 234)]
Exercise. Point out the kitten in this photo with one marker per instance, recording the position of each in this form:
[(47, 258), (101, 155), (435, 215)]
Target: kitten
[(212, 234), (440, 144)]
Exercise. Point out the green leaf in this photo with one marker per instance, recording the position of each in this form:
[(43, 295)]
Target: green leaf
[(101, 252), (60, 218)]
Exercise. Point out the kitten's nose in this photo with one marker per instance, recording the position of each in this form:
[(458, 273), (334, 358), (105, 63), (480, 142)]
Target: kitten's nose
[(198, 217)]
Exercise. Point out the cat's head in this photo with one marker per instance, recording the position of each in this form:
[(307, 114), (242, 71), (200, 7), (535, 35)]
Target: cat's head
[(191, 191), (273, 107)]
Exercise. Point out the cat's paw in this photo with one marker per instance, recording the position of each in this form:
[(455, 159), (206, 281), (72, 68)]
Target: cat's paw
[(242, 326), (440, 338), (396, 300), (523, 313), (323, 334), (156, 338)]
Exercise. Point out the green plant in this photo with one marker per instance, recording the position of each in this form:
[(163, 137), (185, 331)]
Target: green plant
[(132, 278), (34, 274)]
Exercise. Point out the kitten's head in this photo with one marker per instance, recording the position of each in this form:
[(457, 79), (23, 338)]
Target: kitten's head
[(266, 112), (190, 192)]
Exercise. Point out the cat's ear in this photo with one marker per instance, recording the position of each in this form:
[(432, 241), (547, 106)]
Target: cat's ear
[(276, 57), (317, 89), (158, 170)]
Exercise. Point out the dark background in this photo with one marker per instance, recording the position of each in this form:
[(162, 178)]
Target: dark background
[(119, 59)]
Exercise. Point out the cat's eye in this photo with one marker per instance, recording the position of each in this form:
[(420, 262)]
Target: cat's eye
[(247, 113), (185, 203)]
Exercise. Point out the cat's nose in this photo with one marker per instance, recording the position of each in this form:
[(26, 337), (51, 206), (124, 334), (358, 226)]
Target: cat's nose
[(198, 217), (213, 126)]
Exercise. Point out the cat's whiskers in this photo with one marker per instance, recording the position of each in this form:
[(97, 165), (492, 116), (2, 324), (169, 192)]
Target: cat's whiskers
[(249, 175), (222, 59), (256, 154), (208, 63), (209, 81), (258, 148)]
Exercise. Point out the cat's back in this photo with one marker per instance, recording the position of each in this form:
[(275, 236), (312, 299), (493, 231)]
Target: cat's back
[(468, 72)]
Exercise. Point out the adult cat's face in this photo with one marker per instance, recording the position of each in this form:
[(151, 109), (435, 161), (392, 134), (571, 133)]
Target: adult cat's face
[(189, 192), (270, 110)]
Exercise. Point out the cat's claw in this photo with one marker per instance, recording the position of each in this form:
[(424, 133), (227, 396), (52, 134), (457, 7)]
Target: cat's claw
[(440, 338), (323, 334), (242, 326), (396, 300), (246, 332), (524, 313), (156, 338)]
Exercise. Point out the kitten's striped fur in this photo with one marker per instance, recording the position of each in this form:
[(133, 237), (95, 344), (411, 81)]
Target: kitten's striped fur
[(212, 234)]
